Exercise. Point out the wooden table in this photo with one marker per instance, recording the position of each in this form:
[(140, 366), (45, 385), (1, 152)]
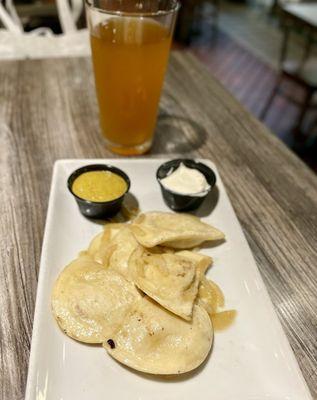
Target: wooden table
[(48, 111)]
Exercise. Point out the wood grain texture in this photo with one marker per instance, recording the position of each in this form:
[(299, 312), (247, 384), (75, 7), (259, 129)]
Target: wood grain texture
[(48, 111)]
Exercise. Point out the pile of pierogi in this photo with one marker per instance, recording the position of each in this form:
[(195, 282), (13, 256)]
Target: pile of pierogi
[(140, 290)]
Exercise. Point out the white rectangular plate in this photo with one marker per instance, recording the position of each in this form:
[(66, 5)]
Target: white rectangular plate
[(251, 360)]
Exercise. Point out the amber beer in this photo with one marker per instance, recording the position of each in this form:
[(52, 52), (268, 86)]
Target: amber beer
[(130, 57)]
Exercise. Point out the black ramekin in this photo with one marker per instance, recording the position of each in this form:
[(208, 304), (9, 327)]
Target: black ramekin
[(184, 202), (94, 209)]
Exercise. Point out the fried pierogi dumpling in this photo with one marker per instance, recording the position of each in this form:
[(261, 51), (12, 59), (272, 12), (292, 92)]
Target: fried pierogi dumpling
[(170, 279), (89, 302), (100, 247), (210, 296), (202, 261), (95, 244), (113, 247), (124, 244), (155, 341), (180, 231)]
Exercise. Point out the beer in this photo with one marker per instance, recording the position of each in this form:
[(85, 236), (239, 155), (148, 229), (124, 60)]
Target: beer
[(130, 56)]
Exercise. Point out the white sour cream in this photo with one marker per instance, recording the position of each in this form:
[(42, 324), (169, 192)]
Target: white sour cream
[(187, 181)]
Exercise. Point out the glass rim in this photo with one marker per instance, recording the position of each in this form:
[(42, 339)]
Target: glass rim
[(172, 10)]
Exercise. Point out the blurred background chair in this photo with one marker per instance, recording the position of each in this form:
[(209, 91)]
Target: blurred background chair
[(9, 18), (41, 42), (69, 15), (190, 16), (300, 18)]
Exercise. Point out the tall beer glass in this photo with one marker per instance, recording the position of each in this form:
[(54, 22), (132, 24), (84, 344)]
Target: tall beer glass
[(130, 43)]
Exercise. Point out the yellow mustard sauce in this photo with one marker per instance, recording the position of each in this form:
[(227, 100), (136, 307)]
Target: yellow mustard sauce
[(99, 186)]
